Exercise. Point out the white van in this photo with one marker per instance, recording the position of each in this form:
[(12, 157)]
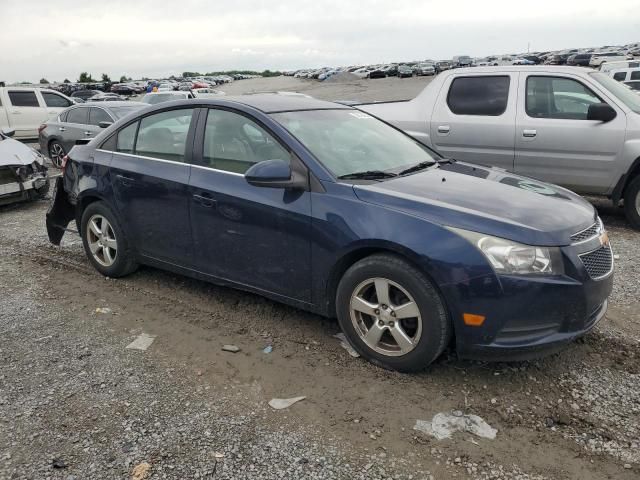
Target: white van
[(24, 109), (608, 66)]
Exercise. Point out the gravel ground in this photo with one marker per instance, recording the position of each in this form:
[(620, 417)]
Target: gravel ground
[(75, 403)]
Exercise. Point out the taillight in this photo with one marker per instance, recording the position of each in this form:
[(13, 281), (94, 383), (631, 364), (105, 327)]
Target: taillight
[(64, 162), (41, 127)]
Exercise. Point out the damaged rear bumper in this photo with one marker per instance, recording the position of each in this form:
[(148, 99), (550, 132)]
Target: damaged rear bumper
[(61, 212)]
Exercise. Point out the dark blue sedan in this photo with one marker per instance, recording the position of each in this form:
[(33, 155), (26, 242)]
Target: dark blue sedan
[(327, 208)]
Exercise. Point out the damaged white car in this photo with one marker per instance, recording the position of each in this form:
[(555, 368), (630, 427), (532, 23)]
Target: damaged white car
[(23, 174)]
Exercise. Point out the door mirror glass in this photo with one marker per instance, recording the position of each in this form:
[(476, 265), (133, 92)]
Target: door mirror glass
[(601, 112)]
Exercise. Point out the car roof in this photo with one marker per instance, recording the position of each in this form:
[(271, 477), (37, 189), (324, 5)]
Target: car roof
[(273, 102), (522, 68)]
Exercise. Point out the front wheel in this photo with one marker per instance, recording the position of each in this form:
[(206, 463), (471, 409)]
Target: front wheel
[(392, 314), (632, 202), (104, 241)]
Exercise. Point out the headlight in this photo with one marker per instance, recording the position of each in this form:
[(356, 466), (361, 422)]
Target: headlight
[(507, 257)]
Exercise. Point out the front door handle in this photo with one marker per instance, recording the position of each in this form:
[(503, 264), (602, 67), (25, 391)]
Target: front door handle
[(205, 200), (529, 133), (62, 129), (88, 134), (125, 181), (444, 129)]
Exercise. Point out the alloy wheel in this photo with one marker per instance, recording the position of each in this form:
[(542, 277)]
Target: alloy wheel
[(56, 153), (102, 240), (385, 317)]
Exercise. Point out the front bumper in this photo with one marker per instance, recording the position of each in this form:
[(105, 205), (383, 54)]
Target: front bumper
[(529, 316)]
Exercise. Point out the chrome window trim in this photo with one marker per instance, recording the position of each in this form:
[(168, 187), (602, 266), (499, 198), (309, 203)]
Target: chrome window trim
[(170, 161)]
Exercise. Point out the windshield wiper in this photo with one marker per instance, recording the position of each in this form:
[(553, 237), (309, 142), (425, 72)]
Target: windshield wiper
[(418, 166), (368, 175)]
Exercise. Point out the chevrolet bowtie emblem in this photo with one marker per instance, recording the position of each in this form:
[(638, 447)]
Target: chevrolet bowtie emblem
[(604, 239)]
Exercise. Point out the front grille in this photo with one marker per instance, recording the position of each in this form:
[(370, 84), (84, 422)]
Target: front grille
[(587, 233), (598, 263)]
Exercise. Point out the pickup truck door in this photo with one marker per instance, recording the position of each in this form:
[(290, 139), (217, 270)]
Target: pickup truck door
[(474, 118), (54, 102), (554, 140), (25, 112)]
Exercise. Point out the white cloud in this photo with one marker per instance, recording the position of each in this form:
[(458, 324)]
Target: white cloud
[(147, 37)]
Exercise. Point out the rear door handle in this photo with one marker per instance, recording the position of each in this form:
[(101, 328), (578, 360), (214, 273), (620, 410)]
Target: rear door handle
[(444, 129), (125, 181), (88, 134), (62, 129), (529, 133), (205, 200)]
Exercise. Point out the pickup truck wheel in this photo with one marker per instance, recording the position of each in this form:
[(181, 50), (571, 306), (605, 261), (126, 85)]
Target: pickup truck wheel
[(632, 202), (56, 153), (104, 241), (391, 313)]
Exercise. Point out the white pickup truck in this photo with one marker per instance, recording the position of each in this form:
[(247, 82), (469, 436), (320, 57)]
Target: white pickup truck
[(570, 126), (24, 109)]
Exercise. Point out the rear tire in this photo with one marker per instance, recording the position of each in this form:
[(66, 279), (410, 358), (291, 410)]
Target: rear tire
[(105, 242), (405, 328), (56, 153), (632, 202)]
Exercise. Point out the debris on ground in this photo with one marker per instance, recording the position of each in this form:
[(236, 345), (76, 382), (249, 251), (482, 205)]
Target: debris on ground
[(444, 425), (58, 463), (231, 348), (267, 349), (142, 342), (281, 403), (104, 310), (140, 471), (344, 343), (218, 455)]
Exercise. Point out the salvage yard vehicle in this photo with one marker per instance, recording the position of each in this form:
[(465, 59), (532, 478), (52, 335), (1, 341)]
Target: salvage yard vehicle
[(58, 136), (23, 174), (326, 208), (598, 59), (23, 109), (153, 98), (569, 126)]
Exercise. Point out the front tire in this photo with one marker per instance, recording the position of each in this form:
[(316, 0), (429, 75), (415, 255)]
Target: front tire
[(392, 314), (632, 202), (104, 241)]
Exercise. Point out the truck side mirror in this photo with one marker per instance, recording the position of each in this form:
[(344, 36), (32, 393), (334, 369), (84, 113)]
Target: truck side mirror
[(602, 112)]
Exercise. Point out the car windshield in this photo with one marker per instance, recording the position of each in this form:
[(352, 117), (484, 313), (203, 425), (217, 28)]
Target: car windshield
[(622, 93), (120, 112), (350, 141)]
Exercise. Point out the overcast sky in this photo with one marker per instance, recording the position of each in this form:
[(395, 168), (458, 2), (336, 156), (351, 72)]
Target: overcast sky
[(59, 39)]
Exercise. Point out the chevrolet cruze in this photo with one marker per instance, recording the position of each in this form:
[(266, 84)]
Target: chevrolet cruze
[(329, 209)]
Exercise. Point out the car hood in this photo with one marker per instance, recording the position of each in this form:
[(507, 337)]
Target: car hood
[(486, 200), (13, 152)]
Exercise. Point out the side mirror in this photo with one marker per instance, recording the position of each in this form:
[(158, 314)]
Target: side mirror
[(601, 111), (105, 124), (277, 174), (8, 132), (83, 141)]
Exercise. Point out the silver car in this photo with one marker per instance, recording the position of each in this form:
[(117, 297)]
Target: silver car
[(78, 122)]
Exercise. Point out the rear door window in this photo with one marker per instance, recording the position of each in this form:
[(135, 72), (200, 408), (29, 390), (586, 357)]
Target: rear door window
[(126, 138), (78, 115), (97, 115), (164, 135), (635, 75), (54, 100), (620, 76), (23, 98), (485, 95)]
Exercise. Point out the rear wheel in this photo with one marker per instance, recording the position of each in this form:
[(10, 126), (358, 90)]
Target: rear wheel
[(632, 202), (56, 153), (392, 314), (105, 242)]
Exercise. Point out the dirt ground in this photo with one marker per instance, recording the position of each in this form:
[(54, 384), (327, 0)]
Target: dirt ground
[(75, 403)]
